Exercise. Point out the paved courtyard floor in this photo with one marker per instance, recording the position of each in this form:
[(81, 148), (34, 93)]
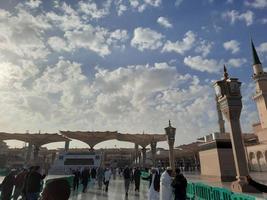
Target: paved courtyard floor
[(116, 192)]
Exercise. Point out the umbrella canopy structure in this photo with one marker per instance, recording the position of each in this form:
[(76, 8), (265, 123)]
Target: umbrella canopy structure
[(36, 139), (91, 138), (94, 137), (142, 139)]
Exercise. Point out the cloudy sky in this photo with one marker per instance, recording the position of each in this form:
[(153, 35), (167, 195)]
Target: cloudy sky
[(126, 65)]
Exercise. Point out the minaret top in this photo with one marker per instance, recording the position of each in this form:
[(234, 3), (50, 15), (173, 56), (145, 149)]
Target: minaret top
[(256, 59)]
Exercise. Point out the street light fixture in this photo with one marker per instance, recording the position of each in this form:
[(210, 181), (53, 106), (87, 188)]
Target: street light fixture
[(229, 98), (170, 132)]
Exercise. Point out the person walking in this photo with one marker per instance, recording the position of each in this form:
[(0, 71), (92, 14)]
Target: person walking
[(85, 178), (137, 175), (179, 184), (100, 177), (33, 183), (76, 179), (107, 177), (154, 184), (127, 179), (93, 175), (58, 189), (7, 185), (19, 183), (165, 185)]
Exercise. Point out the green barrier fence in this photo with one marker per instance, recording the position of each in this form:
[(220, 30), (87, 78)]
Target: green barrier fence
[(4, 171), (144, 174), (201, 191)]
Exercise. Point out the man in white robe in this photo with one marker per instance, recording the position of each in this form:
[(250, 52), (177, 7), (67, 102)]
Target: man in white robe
[(154, 181), (166, 190)]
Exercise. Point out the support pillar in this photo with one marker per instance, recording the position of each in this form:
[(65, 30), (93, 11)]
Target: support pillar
[(144, 156), (67, 146), (136, 153), (153, 146), (139, 158), (28, 155), (36, 153)]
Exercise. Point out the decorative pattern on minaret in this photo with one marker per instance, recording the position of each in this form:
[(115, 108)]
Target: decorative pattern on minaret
[(220, 117)]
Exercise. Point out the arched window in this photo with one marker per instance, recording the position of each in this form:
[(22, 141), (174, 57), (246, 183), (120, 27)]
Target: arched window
[(260, 159), (251, 156)]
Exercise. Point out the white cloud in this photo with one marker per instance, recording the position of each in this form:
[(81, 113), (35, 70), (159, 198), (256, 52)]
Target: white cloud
[(66, 18), (134, 3), (163, 21), (264, 21), (33, 3), (234, 16), (96, 39), (139, 97), (204, 47), (236, 62), (256, 3), (263, 47), (178, 3), (180, 47), (14, 27), (155, 3), (58, 44), (232, 46), (91, 10), (121, 9), (140, 6), (146, 38), (202, 64)]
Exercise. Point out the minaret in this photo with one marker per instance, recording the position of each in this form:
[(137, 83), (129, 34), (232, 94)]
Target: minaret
[(257, 67), (220, 117), (260, 78)]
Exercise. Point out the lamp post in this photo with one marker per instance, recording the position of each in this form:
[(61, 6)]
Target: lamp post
[(144, 156), (229, 99), (170, 132)]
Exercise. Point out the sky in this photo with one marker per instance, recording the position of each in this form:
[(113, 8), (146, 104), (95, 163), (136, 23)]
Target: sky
[(125, 65)]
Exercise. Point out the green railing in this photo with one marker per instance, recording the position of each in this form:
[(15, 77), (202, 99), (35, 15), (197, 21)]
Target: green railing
[(144, 174), (201, 191)]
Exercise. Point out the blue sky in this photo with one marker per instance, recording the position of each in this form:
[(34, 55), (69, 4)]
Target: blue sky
[(126, 65)]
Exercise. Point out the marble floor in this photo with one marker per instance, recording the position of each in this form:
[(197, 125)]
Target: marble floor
[(116, 192)]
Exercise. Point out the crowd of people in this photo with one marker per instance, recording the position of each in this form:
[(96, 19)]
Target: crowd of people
[(162, 184), (26, 184)]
